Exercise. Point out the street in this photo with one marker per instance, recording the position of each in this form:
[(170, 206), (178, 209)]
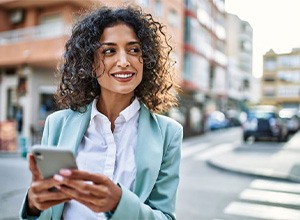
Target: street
[(209, 193), (15, 178), (205, 192)]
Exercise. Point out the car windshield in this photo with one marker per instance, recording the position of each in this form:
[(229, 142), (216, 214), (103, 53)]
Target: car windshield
[(261, 115)]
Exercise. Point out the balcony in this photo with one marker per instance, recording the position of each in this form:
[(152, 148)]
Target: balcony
[(41, 45)]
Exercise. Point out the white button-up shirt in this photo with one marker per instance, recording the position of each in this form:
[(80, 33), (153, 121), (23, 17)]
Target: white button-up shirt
[(106, 152)]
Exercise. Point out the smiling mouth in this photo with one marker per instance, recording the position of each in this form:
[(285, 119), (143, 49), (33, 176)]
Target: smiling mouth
[(123, 75)]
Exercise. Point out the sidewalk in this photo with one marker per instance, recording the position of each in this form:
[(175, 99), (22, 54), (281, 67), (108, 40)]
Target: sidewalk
[(284, 164)]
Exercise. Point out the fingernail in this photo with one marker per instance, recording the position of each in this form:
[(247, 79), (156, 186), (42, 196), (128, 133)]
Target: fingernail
[(65, 172), (58, 178)]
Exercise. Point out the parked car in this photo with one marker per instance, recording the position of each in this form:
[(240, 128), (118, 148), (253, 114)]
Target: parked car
[(291, 118), (234, 118), (216, 120), (263, 121)]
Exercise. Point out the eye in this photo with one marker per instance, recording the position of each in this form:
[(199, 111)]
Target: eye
[(108, 51), (135, 50)]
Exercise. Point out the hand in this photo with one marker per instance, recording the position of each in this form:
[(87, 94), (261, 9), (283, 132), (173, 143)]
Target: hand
[(39, 196), (100, 194)]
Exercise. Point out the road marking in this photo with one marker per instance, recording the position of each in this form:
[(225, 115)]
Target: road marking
[(275, 186), (214, 151), (262, 211), (271, 197), (189, 151)]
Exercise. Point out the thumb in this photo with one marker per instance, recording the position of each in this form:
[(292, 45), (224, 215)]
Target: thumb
[(36, 175)]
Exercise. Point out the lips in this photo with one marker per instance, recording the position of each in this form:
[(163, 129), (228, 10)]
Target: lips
[(123, 76)]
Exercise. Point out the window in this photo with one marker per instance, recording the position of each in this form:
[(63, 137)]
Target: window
[(246, 46), (173, 18), (16, 16), (269, 79), (187, 67), (288, 91), (187, 29), (143, 3), (220, 31), (269, 92), (157, 8), (289, 61), (289, 76), (47, 105), (51, 19), (270, 64)]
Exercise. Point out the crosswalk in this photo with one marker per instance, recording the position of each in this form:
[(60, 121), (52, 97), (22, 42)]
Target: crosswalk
[(267, 199), (205, 151)]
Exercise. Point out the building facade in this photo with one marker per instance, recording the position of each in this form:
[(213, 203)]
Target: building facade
[(205, 62), (32, 38), (281, 79), (240, 80)]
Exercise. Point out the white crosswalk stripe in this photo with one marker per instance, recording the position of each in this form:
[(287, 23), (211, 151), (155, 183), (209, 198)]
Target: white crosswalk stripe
[(216, 150), (276, 186), (270, 197), (266, 199), (262, 211), (189, 151)]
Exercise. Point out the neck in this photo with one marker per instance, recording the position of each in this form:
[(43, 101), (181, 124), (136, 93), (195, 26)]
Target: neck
[(112, 106)]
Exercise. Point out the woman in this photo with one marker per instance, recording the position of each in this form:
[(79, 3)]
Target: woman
[(115, 76)]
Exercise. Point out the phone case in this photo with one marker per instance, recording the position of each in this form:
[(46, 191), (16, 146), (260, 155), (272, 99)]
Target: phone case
[(51, 159)]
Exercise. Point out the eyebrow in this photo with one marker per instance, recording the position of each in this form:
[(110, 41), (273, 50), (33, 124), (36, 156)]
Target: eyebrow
[(114, 44)]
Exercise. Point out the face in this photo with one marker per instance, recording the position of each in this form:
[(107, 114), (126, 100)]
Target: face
[(120, 61)]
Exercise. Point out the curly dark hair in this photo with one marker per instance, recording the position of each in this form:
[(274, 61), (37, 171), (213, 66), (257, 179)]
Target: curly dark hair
[(78, 84)]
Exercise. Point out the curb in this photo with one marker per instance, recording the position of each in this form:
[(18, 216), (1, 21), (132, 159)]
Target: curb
[(265, 174)]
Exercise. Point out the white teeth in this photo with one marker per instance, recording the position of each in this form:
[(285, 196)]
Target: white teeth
[(123, 75)]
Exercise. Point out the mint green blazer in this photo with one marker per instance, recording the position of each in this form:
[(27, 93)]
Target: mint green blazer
[(157, 157)]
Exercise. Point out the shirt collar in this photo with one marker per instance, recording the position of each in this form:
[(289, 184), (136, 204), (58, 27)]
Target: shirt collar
[(131, 110), (127, 113)]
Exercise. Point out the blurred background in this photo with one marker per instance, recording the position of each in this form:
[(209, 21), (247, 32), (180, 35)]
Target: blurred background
[(238, 63), (213, 49)]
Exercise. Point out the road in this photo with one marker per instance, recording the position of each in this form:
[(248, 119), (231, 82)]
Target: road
[(15, 178), (209, 193), (205, 192)]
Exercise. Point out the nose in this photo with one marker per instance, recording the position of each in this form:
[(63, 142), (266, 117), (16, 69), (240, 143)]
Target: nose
[(123, 60)]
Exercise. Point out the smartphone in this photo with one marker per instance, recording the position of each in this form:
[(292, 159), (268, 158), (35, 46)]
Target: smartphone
[(51, 159)]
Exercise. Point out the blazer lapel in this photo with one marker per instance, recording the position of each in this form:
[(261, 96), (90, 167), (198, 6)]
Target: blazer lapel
[(71, 137), (148, 153)]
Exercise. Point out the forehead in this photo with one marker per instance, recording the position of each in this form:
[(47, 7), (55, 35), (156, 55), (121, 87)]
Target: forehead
[(118, 33)]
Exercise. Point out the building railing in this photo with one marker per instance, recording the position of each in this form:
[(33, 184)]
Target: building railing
[(34, 33)]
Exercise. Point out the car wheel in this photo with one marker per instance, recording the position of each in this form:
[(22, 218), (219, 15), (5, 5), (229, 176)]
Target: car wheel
[(282, 138)]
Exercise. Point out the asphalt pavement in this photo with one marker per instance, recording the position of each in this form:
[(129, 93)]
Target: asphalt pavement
[(284, 164)]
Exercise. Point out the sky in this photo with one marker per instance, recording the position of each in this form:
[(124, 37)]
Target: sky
[(275, 23)]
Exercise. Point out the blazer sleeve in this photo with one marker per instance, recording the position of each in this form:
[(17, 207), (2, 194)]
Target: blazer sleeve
[(160, 204), (23, 211)]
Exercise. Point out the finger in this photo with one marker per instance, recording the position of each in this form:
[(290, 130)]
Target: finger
[(78, 185), (36, 175), (92, 202), (95, 207), (76, 194), (83, 187), (46, 205), (82, 175), (43, 185), (52, 196)]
